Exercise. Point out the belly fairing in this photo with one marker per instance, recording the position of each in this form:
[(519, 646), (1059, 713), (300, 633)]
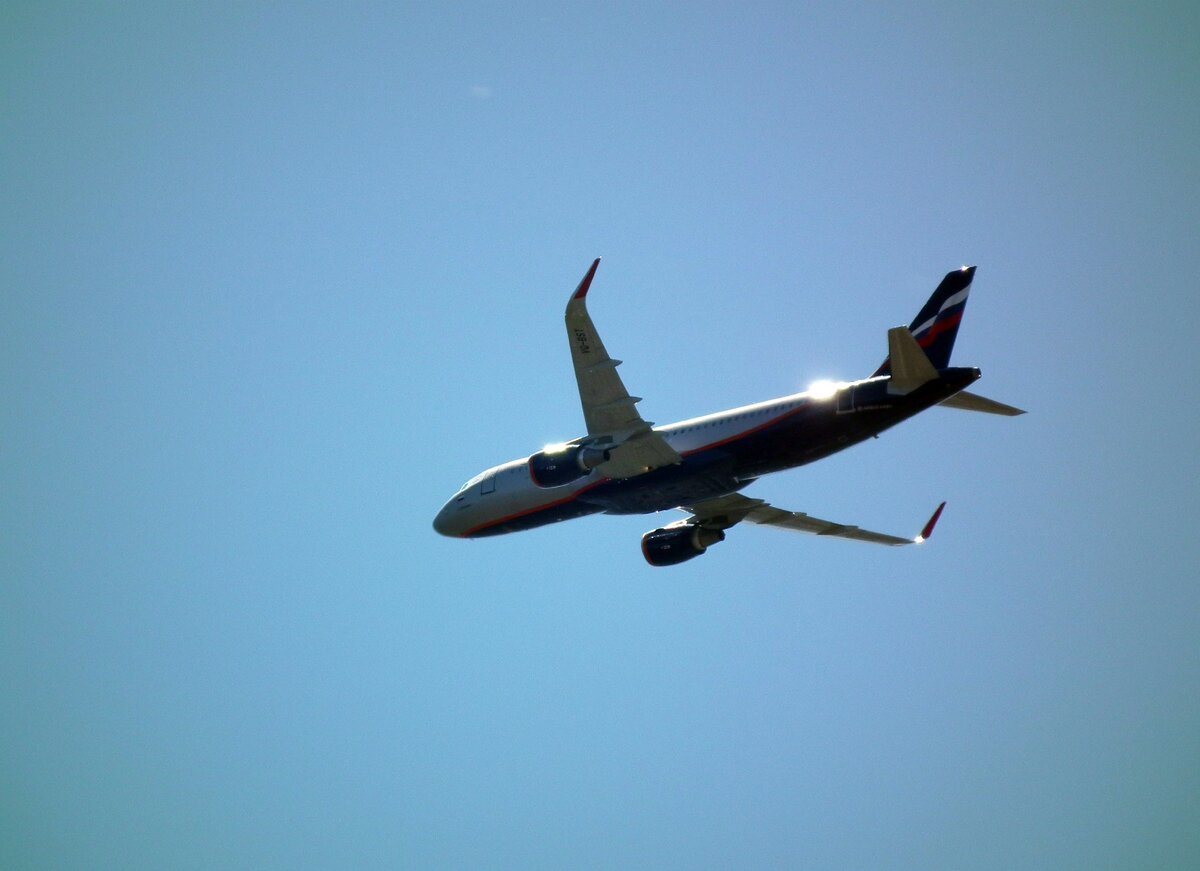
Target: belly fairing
[(699, 477)]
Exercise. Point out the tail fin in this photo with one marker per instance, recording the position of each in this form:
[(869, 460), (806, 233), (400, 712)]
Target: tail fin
[(936, 324)]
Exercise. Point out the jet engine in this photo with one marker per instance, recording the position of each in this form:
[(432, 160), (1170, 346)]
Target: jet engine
[(672, 545), (557, 466)]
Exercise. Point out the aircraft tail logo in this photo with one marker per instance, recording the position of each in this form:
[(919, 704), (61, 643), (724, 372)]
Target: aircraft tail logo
[(936, 325)]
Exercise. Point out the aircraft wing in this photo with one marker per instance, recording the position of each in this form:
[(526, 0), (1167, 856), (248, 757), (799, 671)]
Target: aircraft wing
[(725, 511), (608, 409)]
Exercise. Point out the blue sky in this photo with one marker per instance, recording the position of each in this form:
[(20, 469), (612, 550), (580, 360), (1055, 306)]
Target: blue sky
[(276, 279)]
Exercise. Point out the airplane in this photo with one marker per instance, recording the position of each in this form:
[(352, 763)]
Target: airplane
[(627, 465)]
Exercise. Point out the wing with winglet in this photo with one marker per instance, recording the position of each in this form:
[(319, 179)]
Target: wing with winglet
[(725, 511), (608, 410)]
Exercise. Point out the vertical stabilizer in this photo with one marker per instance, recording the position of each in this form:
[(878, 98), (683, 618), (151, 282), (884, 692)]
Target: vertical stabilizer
[(936, 324)]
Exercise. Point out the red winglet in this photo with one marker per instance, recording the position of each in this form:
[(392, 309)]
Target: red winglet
[(928, 530), (581, 291)]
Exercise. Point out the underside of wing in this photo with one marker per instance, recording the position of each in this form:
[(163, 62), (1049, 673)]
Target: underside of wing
[(642, 452), (725, 511), (608, 409)]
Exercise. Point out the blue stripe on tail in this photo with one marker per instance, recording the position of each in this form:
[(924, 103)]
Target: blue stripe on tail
[(936, 325)]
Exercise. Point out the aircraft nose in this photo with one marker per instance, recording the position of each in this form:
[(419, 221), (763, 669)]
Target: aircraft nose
[(445, 522)]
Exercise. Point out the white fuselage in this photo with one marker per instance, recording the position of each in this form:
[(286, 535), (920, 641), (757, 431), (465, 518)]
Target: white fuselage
[(507, 492)]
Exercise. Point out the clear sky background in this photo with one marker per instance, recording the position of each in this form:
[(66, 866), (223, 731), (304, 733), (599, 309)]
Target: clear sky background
[(276, 279)]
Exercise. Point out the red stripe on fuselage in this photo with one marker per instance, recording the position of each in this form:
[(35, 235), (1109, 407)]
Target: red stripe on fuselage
[(535, 509), (741, 435)]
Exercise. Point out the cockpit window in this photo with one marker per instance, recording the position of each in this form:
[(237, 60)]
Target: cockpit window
[(485, 481)]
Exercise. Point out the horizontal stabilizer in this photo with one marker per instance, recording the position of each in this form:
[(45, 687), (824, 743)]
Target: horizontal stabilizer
[(974, 402), (910, 366)]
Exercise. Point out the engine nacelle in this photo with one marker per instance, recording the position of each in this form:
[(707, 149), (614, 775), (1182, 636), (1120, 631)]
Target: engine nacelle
[(675, 544), (554, 468)]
